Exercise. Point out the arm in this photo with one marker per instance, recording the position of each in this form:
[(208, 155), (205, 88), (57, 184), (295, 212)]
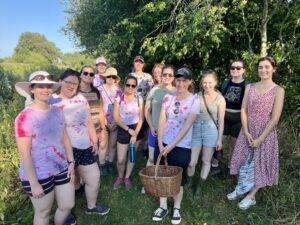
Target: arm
[(92, 131), (276, 113), (70, 157), (24, 147), (140, 123), (148, 114), (161, 127), (244, 121), (221, 115)]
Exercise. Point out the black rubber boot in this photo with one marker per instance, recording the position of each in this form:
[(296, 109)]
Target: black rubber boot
[(103, 169)]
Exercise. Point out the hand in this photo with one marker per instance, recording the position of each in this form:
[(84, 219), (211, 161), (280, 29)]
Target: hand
[(160, 146), (153, 131), (249, 138), (132, 132), (71, 172), (167, 149), (219, 145), (37, 190), (95, 149), (132, 139), (257, 142)]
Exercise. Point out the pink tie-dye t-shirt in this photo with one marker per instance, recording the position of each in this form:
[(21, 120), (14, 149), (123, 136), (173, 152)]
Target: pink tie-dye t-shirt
[(46, 129), (129, 112), (76, 111), (108, 100), (177, 112)]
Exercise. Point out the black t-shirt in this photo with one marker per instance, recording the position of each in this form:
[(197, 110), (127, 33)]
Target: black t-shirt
[(233, 94)]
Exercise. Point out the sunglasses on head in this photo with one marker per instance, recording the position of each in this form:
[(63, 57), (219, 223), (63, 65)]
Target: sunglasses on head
[(42, 77), (130, 85), (236, 67), (87, 73), (176, 110), (168, 75), (111, 77)]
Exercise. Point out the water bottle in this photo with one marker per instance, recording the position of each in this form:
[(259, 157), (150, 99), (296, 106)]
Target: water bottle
[(132, 152)]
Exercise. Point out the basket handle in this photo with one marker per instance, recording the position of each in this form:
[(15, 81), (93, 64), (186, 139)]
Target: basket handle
[(157, 164)]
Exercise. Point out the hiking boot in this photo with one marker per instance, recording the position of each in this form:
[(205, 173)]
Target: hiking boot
[(199, 189), (109, 167), (98, 209), (159, 214), (103, 169), (176, 218), (71, 220), (128, 183), (118, 183), (214, 170)]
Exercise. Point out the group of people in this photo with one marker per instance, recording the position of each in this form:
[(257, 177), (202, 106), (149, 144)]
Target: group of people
[(66, 123)]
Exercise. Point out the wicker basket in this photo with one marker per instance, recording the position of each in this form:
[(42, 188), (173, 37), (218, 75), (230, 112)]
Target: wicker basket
[(161, 180)]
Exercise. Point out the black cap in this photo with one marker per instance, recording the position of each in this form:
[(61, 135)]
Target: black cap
[(184, 72), (139, 58)]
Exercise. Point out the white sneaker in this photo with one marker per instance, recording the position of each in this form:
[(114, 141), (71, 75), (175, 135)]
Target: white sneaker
[(232, 196), (143, 190), (159, 214), (246, 203), (176, 218)]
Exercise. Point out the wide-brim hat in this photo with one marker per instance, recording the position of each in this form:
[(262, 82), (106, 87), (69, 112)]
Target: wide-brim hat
[(24, 89), (111, 71)]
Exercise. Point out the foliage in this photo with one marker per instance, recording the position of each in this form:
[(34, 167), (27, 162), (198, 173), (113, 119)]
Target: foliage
[(35, 46), (76, 60)]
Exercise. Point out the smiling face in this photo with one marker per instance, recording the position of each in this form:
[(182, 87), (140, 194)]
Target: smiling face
[(157, 74), (167, 76), (130, 86), (237, 69), (87, 75), (138, 65), (182, 84), (69, 86), (208, 83), (42, 92), (266, 70), (101, 67)]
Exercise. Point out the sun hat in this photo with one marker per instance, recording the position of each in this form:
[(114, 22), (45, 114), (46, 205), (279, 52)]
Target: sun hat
[(101, 59), (139, 58), (111, 71), (24, 89), (184, 72)]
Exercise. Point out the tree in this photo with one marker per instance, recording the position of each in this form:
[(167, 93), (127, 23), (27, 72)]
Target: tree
[(37, 44)]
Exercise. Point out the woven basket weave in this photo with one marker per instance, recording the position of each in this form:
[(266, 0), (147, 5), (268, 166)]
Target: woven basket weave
[(161, 180)]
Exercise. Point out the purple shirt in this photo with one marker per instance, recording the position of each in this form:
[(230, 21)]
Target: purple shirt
[(46, 129)]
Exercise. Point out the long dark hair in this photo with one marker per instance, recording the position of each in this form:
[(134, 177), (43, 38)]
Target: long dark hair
[(67, 73)]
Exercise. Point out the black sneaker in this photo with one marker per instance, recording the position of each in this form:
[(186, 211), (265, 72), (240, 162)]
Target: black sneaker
[(159, 214), (98, 209), (214, 170), (71, 220), (176, 218)]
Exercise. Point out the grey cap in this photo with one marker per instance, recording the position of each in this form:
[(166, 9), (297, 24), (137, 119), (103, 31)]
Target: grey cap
[(184, 72)]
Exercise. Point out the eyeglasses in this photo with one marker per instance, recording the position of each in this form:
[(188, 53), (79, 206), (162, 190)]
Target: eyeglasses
[(42, 77), (69, 83), (87, 73), (167, 75), (176, 110), (130, 85), (236, 68), (111, 77)]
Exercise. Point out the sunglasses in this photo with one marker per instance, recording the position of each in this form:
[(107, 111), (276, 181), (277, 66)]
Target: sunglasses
[(69, 83), (176, 110), (42, 77), (130, 85), (87, 73), (111, 77), (236, 68), (167, 75)]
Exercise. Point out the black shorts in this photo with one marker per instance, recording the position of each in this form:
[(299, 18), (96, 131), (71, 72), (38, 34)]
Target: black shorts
[(232, 124), (84, 157), (123, 137), (177, 157), (49, 183)]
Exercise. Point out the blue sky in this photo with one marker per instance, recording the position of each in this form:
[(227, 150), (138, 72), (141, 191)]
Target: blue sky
[(43, 16)]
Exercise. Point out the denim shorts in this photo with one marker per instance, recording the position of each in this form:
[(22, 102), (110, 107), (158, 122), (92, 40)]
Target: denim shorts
[(205, 133), (151, 139)]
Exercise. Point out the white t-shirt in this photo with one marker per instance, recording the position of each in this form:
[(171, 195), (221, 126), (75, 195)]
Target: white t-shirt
[(129, 112), (177, 112), (76, 111)]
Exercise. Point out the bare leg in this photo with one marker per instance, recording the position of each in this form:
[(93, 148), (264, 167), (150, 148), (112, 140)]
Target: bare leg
[(150, 161), (129, 167), (91, 177), (42, 207), (112, 145), (194, 160), (122, 153), (207, 154), (178, 198), (65, 198)]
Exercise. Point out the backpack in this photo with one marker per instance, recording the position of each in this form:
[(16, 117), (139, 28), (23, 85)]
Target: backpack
[(224, 86)]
